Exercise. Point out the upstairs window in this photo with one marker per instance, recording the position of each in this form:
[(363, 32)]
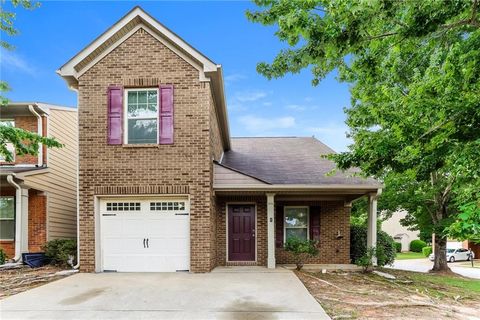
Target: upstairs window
[(141, 116), (8, 123)]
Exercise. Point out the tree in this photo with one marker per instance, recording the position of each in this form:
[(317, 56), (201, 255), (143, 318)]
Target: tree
[(414, 117), (23, 141)]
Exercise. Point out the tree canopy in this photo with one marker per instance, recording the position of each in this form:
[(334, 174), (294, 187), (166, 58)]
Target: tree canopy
[(414, 70)]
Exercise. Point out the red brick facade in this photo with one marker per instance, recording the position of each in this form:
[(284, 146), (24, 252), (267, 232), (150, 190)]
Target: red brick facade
[(37, 221), (334, 218), (182, 168)]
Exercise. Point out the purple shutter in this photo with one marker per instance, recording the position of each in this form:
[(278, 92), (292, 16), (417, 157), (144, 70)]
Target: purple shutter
[(115, 112), (166, 114), (279, 226), (315, 223)]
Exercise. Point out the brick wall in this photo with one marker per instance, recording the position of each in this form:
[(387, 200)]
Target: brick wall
[(37, 220), (185, 165), (28, 123), (334, 217)]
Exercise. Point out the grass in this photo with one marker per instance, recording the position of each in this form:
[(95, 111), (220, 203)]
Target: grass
[(409, 255), (466, 285)]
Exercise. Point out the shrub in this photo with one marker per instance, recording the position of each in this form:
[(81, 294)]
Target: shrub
[(427, 251), (62, 252), (417, 245), (366, 261), (301, 249), (358, 245), (3, 257), (398, 246)]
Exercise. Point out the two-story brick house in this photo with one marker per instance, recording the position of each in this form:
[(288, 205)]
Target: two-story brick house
[(163, 186), (38, 194)]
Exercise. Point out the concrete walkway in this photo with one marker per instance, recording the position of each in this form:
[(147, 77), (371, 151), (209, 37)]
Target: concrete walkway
[(425, 265), (222, 294)]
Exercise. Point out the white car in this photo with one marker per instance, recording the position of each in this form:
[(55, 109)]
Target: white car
[(456, 255)]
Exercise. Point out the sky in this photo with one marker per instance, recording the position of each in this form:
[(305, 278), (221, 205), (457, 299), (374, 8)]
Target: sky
[(290, 106)]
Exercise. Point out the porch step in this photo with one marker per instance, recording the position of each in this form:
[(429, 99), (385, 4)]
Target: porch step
[(240, 263)]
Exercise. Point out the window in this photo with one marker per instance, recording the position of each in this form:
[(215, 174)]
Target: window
[(123, 206), (7, 218), (167, 206), (141, 116), (296, 223), (8, 123)]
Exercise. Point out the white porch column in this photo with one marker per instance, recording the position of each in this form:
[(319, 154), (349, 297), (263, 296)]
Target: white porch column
[(372, 222), (24, 234), (271, 230)]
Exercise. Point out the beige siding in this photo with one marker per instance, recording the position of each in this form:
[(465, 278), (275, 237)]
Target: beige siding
[(225, 176), (60, 183)]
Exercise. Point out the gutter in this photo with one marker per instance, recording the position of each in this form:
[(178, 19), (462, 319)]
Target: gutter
[(18, 217), (40, 133)]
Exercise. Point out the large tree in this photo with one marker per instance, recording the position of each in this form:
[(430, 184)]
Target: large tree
[(414, 70), (24, 142)]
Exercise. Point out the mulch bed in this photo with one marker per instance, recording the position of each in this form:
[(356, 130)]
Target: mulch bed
[(22, 278)]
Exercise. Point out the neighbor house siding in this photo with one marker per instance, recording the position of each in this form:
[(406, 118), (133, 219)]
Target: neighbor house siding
[(182, 167), (60, 182)]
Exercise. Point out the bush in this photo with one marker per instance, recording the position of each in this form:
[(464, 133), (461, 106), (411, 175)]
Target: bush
[(427, 251), (3, 257), (417, 245), (386, 249), (398, 246), (301, 249), (62, 252)]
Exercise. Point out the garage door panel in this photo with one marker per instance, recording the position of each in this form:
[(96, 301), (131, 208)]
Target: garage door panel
[(166, 228)]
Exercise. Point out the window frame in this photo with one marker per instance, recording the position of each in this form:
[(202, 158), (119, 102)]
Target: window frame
[(285, 225), (13, 219), (126, 118), (10, 146)]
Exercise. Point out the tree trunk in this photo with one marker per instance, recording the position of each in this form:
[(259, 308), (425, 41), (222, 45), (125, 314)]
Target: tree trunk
[(440, 262)]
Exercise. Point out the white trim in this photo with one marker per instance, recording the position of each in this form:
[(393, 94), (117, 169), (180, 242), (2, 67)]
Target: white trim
[(285, 225), (125, 113), (226, 230)]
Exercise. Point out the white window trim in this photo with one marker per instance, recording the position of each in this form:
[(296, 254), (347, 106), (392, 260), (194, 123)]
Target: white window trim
[(10, 146), (6, 219), (285, 225), (125, 113)]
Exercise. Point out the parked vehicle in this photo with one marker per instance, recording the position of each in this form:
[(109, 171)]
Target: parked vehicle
[(456, 255)]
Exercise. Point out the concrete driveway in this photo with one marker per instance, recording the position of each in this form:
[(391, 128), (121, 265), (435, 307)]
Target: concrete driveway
[(223, 294), (424, 265)]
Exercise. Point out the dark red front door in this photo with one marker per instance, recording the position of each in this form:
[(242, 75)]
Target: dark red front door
[(241, 233)]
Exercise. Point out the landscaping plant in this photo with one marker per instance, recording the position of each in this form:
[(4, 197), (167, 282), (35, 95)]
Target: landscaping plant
[(301, 250), (3, 257), (358, 245), (398, 246), (417, 245), (427, 251), (62, 252)]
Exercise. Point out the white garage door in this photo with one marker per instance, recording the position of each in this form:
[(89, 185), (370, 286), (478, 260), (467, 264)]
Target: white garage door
[(145, 235)]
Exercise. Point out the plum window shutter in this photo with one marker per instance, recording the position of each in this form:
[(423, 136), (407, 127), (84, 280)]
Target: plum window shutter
[(166, 114), (115, 115)]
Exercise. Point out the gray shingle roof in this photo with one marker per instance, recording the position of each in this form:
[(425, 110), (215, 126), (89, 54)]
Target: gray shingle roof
[(288, 160)]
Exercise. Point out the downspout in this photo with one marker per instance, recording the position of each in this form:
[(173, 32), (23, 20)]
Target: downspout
[(18, 218), (40, 133)]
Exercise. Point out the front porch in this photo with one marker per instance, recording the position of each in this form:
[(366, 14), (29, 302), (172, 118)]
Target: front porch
[(252, 226)]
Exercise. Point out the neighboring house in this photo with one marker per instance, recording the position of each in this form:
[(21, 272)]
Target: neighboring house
[(399, 233), (163, 186), (38, 194)]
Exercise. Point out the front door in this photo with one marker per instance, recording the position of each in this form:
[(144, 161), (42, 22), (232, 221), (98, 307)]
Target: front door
[(241, 233)]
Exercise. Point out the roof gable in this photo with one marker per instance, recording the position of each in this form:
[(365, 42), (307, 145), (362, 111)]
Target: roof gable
[(223, 176)]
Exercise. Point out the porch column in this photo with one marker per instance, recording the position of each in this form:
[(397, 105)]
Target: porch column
[(271, 230), (24, 234), (372, 222)]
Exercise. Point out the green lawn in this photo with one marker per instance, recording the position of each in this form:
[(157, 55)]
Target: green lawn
[(409, 255), (467, 285)]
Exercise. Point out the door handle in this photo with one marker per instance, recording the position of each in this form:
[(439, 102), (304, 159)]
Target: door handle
[(147, 242), (144, 242)]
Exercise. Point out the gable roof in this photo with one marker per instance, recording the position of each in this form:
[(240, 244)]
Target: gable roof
[(290, 161), (134, 20)]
